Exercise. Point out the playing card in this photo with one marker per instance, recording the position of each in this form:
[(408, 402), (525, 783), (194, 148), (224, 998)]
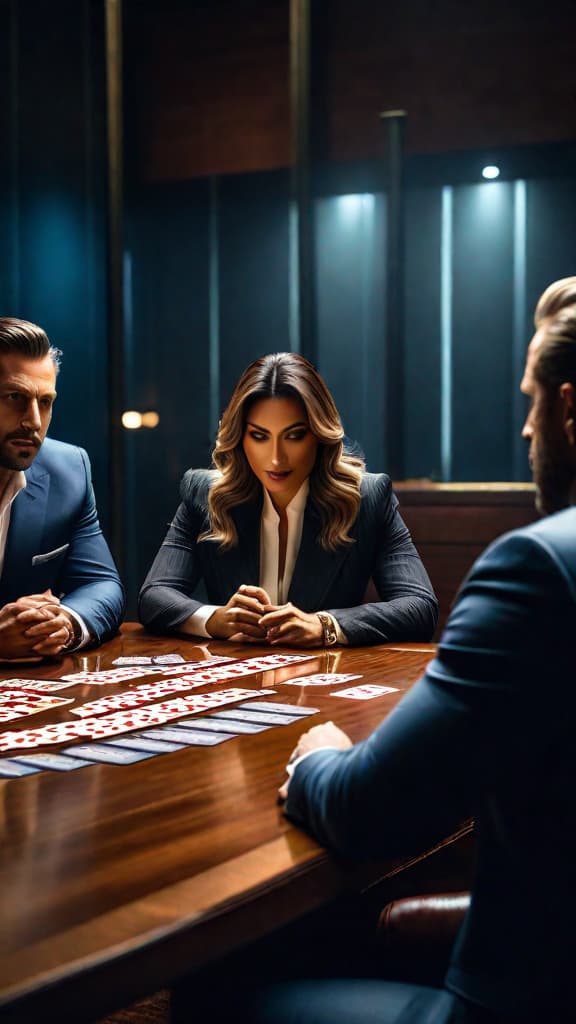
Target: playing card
[(27, 703), (107, 754), (190, 737), (233, 728), (10, 715), (167, 659), (13, 770), (38, 685), (195, 666), (321, 679), (52, 762), (205, 701), (268, 661), (111, 675), (122, 721), (255, 716), (141, 742), (152, 659), (41, 736), (281, 709), (366, 692), (135, 659)]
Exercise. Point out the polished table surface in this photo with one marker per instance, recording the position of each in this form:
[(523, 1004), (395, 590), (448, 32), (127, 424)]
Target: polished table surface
[(119, 878)]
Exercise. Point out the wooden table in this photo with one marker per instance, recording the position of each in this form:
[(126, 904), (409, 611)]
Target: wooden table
[(114, 880)]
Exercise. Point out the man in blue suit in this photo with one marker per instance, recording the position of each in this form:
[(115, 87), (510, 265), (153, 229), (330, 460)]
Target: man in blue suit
[(59, 587), (489, 731)]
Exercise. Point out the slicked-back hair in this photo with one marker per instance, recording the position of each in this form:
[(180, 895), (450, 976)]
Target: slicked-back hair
[(555, 316), (336, 476), (27, 339)]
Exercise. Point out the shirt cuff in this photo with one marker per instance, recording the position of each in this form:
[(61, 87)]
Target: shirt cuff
[(197, 622), (298, 760), (85, 637)]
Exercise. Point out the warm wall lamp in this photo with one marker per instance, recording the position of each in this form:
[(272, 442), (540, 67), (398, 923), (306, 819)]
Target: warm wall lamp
[(132, 420)]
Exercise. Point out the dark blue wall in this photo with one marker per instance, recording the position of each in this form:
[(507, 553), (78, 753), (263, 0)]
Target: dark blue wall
[(52, 161)]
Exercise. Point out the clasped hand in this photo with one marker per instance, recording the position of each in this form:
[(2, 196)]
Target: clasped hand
[(34, 626), (250, 617)]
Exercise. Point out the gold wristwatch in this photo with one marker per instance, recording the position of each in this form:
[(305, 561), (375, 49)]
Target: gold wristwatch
[(329, 634)]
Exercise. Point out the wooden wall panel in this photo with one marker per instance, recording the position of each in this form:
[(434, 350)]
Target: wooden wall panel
[(489, 74), (209, 87), (452, 524), (208, 82)]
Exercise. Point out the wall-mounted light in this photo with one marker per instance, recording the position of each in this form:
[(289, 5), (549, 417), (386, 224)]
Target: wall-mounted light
[(490, 172), (133, 420)]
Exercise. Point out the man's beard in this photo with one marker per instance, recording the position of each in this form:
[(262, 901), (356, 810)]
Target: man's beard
[(9, 459), (554, 476)]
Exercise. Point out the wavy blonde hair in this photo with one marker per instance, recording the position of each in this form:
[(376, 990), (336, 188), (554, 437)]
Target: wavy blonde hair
[(335, 479)]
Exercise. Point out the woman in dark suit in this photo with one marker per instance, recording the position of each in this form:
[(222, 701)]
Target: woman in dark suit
[(288, 529)]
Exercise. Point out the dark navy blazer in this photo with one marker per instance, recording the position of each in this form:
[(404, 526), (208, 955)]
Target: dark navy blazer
[(323, 580), (54, 540), (488, 731)]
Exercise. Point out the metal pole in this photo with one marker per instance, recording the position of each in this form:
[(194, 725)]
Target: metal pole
[(301, 192), (115, 277), (394, 121)]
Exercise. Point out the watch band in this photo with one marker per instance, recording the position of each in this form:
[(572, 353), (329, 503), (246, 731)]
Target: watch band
[(329, 634)]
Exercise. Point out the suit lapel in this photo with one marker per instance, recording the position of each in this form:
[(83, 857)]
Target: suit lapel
[(242, 563), (315, 568)]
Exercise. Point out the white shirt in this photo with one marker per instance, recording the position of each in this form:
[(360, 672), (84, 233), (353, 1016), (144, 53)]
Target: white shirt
[(15, 484), (277, 588)]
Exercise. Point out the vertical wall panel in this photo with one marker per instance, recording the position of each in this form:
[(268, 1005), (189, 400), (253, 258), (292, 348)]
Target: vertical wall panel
[(482, 332), (551, 235), (168, 364), (422, 373), (351, 284), (254, 250)]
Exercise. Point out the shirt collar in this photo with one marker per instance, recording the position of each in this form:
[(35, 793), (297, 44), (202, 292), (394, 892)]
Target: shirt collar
[(293, 508), (15, 484)]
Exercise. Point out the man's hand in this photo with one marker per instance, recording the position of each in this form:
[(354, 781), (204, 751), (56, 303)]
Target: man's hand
[(34, 626), (239, 618), (326, 735), (286, 624)]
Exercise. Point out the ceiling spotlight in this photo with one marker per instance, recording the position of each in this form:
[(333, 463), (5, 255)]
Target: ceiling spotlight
[(490, 172)]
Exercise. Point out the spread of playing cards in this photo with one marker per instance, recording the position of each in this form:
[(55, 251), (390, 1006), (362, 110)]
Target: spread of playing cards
[(144, 717)]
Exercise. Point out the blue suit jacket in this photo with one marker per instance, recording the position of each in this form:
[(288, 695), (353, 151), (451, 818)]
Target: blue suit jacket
[(488, 731), (54, 540), (322, 580)]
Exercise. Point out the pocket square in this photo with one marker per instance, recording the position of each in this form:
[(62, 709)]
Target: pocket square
[(48, 555)]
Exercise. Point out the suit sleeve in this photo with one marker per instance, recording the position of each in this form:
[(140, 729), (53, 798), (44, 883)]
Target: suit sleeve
[(89, 579), (407, 609), (165, 600), (468, 726)]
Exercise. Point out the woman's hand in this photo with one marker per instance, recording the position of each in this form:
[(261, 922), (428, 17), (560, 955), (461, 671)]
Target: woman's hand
[(239, 619), (286, 624)]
